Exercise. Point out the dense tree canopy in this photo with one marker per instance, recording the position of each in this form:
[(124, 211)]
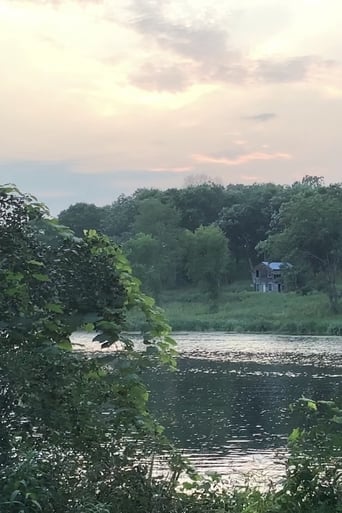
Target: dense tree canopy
[(309, 234), (82, 216), (207, 258), (247, 216)]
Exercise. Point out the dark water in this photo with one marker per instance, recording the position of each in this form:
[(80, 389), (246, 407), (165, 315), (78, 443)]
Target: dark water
[(228, 405)]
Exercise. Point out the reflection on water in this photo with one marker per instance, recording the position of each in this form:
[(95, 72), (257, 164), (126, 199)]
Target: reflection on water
[(227, 407)]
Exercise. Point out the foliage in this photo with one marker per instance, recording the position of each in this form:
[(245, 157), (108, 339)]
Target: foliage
[(156, 218), (119, 217), (242, 311), (207, 259), (247, 221), (287, 217), (308, 234), (143, 251), (75, 431), (198, 205), (313, 480), (82, 216)]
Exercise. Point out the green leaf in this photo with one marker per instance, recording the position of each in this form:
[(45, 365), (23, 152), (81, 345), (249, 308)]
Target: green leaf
[(295, 435), (312, 405), (14, 495), (36, 263), (88, 327), (188, 485), (54, 307), (65, 345), (40, 277)]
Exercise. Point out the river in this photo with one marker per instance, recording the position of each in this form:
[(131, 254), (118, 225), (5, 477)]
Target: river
[(227, 406)]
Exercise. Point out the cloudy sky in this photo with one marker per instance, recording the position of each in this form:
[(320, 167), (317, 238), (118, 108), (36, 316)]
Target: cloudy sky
[(99, 97)]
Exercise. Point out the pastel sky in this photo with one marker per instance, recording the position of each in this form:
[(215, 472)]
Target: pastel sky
[(100, 97)]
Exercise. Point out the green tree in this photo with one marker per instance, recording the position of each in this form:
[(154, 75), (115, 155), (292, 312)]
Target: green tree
[(74, 430), (156, 218), (308, 233), (143, 252), (247, 221), (161, 221), (118, 218), (82, 216), (197, 204), (208, 258)]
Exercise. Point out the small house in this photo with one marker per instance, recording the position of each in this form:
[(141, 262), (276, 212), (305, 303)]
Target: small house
[(268, 276)]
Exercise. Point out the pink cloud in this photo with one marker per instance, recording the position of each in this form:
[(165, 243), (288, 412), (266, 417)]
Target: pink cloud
[(240, 159)]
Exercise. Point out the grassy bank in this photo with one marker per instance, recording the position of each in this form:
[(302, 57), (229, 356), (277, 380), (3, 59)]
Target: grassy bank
[(244, 311)]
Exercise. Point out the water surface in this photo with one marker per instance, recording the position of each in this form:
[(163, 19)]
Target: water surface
[(227, 406)]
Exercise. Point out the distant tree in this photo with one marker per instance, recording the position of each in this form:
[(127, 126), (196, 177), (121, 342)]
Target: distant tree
[(247, 221), (309, 235), (312, 182), (82, 216), (207, 259), (118, 218), (156, 218), (144, 253), (198, 204), (200, 179), (143, 193), (161, 221)]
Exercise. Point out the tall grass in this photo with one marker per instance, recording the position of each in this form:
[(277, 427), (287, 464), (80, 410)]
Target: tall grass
[(240, 310)]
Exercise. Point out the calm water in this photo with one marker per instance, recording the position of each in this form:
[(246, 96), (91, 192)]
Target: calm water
[(227, 407)]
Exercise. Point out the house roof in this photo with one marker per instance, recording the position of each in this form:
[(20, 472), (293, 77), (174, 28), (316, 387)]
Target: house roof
[(277, 266)]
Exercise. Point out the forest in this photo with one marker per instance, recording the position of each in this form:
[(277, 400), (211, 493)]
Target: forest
[(76, 434), (208, 237)]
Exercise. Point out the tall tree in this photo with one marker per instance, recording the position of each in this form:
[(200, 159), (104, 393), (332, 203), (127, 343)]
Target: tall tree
[(247, 221), (118, 218), (309, 235), (197, 204), (161, 221), (82, 216), (208, 259), (144, 253), (156, 218)]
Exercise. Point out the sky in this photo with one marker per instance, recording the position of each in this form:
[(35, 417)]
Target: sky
[(101, 97)]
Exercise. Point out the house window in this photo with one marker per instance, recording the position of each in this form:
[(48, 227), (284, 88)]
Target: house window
[(257, 273), (270, 287), (257, 287)]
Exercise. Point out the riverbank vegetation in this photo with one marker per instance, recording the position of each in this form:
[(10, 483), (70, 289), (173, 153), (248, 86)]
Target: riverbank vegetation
[(242, 311), (76, 435), (210, 237)]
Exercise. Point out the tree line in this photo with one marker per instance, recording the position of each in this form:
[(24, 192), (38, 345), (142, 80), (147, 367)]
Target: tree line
[(210, 234)]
